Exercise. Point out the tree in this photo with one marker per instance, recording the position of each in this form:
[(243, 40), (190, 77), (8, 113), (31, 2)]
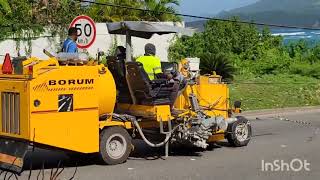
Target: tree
[(4, 10), (55, 14), (250, 49), (21, 18), (155, 10), (26, 18), (114, 14), (4, 7), (161, 10), (17, 19)]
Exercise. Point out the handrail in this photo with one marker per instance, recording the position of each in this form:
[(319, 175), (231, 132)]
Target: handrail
[(38, 64)]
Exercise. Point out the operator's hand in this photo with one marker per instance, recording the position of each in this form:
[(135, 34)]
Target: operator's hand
[(169, 76)]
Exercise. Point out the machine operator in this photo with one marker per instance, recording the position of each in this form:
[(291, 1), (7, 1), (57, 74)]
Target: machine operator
[(70, 45), (152, 65)]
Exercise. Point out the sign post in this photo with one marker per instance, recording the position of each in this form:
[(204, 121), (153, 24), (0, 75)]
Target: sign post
[(86, 30)]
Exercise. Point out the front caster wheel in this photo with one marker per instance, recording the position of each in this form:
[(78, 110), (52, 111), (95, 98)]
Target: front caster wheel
[(115, 145), (239, 132)]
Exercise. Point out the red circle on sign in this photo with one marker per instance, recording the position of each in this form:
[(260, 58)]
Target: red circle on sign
[(92, 24)]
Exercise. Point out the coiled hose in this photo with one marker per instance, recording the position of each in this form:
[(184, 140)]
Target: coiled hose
[(168, 135)]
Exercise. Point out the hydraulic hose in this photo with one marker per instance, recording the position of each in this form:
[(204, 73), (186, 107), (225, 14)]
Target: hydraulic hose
[(136, 124)]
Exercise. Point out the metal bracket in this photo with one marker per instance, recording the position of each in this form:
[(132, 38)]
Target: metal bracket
[(168, 134)]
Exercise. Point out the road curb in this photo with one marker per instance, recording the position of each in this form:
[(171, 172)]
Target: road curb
[(282, 111)]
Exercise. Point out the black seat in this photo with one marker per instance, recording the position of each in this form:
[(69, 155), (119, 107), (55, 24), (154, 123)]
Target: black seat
[(147, 92), (118, 71)]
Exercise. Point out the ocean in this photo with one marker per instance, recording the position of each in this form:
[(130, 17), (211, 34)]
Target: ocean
[(293, 35)]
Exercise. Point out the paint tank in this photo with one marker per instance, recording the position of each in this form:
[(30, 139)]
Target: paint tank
[(106, 92)]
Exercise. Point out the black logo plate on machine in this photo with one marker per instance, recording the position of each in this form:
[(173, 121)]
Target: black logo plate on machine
[(65, 103)]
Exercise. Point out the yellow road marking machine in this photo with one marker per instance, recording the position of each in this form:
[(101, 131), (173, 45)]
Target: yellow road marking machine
[(90, 108)]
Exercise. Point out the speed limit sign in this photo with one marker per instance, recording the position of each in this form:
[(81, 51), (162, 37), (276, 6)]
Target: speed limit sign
[(86, 30)]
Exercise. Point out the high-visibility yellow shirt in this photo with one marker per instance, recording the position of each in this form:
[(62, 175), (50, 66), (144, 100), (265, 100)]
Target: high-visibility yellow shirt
[(151, 64)]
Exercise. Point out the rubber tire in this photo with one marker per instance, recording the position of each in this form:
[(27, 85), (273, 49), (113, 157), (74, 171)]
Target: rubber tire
[(231, 136), (103, 155)]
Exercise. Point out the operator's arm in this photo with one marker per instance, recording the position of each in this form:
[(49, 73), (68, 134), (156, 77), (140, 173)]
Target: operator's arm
[(158, 71)]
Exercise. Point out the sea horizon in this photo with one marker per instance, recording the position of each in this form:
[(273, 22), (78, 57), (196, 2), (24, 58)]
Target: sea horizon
[(294, 35)]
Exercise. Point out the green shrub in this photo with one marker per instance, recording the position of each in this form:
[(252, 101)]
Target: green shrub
[(219, 63), (306, 69), (250, 52)]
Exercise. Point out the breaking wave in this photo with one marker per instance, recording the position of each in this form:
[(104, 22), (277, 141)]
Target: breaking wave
[(289, 34)]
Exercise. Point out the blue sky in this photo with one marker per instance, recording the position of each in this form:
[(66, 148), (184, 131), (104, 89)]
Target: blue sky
[(211, 7)]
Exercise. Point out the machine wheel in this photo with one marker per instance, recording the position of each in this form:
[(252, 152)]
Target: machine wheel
[(115, 145), (239, 132)]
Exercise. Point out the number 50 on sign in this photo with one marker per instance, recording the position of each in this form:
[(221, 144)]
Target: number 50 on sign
[(86, 30)]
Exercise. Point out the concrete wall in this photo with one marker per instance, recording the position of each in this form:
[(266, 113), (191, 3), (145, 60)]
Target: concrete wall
[(104, 42)]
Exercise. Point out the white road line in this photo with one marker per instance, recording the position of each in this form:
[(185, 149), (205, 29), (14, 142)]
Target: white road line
[(69, 108), (62, 99), (61, 106)]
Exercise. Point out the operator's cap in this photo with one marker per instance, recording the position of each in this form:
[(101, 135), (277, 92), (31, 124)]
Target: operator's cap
[(150, 49)]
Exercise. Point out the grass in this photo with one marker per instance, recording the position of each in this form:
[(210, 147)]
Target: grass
[(275, 91)]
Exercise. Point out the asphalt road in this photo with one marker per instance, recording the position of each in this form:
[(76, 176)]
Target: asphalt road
[(274, 138)]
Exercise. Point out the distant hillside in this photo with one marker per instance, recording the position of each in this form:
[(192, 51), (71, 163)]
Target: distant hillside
[(286, 12)]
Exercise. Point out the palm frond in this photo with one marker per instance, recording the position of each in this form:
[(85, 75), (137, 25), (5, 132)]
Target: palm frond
[(218, 63), (161, 10)]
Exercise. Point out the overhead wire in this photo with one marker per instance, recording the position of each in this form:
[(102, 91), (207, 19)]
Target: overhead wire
[(177, 14), (199, 17), (216, 19)]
